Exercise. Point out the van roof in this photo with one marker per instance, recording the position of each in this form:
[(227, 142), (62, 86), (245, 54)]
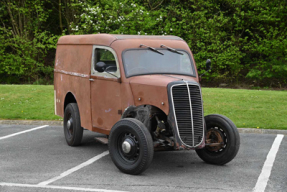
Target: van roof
[(106, 39)]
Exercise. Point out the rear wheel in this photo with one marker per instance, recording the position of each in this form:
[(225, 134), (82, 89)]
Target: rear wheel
[(72, 125), (131, 146), (222, 140)]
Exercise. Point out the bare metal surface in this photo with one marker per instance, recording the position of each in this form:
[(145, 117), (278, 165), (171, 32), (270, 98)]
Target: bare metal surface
[(71, 73), (126, 146), (191, 114)]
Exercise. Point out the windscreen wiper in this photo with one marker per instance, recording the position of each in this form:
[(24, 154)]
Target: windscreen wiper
[(171, 49), (151, 48)]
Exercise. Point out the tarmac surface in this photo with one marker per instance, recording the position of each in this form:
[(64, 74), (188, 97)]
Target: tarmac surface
[(37, 158)]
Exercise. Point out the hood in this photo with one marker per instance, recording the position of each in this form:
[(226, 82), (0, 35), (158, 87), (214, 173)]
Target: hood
[(159, 80), (152, 89)]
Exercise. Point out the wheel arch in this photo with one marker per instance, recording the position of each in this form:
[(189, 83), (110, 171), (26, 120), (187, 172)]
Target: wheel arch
[(69, 98), (145, 114), (132, 108)]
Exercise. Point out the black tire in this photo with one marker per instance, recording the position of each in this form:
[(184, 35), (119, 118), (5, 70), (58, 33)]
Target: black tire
[(140, 155), (72, 125), (224, 127)]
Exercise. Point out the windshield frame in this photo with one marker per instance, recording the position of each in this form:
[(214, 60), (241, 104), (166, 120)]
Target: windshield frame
[(160, 49)]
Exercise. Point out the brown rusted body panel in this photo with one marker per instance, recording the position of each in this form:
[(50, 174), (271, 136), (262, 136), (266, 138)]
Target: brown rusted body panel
[(154, 86), (127, 98), (105, 103), (145, 93), (99, 39), (102, 101), (152, 89), (71, 74)]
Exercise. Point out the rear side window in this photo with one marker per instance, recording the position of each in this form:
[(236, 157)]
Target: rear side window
[(106, 56)]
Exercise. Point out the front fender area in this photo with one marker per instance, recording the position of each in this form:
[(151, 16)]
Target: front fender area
[(151, 95), (145, 114), (148, 114)]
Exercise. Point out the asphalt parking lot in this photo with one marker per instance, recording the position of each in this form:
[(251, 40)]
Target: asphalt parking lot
[(40, 160)]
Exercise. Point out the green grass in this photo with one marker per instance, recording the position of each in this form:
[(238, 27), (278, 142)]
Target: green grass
[(27, 102), (246, 108)]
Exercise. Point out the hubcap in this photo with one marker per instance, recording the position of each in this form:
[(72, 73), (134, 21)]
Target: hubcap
[(69, 123), (70, 129), (126, 146)]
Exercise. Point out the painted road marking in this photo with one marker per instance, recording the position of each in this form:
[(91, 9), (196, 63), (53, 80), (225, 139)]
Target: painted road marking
[(68, 172), (26, 131), (56, 187), (267, 167)]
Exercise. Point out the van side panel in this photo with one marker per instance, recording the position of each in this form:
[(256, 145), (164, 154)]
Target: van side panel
[(71, 74)]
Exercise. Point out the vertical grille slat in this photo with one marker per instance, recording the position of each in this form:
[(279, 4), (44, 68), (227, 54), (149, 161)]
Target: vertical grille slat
[(188, 110)]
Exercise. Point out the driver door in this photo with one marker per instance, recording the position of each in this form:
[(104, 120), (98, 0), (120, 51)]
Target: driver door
[(105, 90)]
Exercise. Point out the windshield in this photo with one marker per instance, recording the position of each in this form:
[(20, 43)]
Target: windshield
[(144, 61)]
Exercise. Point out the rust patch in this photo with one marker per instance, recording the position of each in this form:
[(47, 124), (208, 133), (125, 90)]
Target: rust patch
[(140, 93), (99, 121), (214, 140)]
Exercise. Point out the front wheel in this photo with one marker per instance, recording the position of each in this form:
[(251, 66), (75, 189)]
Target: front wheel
[(222, 140), (131, 146)]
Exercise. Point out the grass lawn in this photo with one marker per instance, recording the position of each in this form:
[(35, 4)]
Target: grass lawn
[(27, 102), (246, 108)]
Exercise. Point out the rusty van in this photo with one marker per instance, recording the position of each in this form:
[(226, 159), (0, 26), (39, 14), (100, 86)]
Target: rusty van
[(142, 93)]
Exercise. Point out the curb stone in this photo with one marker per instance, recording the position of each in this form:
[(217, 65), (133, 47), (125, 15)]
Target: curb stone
[(60, 123), (31, 122), (262, 131)]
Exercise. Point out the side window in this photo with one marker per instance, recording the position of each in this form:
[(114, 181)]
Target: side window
[(106, 56)]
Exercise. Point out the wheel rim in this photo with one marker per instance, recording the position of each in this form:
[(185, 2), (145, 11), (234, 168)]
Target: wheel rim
[(128, 147), (70, 126), (216, 135)]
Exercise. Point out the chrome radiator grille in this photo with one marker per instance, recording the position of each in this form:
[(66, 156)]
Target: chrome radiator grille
[(188, 111)]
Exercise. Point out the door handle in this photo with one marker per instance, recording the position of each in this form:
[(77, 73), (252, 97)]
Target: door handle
[(91, 79)]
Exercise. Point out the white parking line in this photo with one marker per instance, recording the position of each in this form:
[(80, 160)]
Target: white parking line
[(267, 167), (26, 131), (68, 172), (56, 187)]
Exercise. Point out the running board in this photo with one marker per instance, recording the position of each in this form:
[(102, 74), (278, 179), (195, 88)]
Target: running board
[(102, 140)]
